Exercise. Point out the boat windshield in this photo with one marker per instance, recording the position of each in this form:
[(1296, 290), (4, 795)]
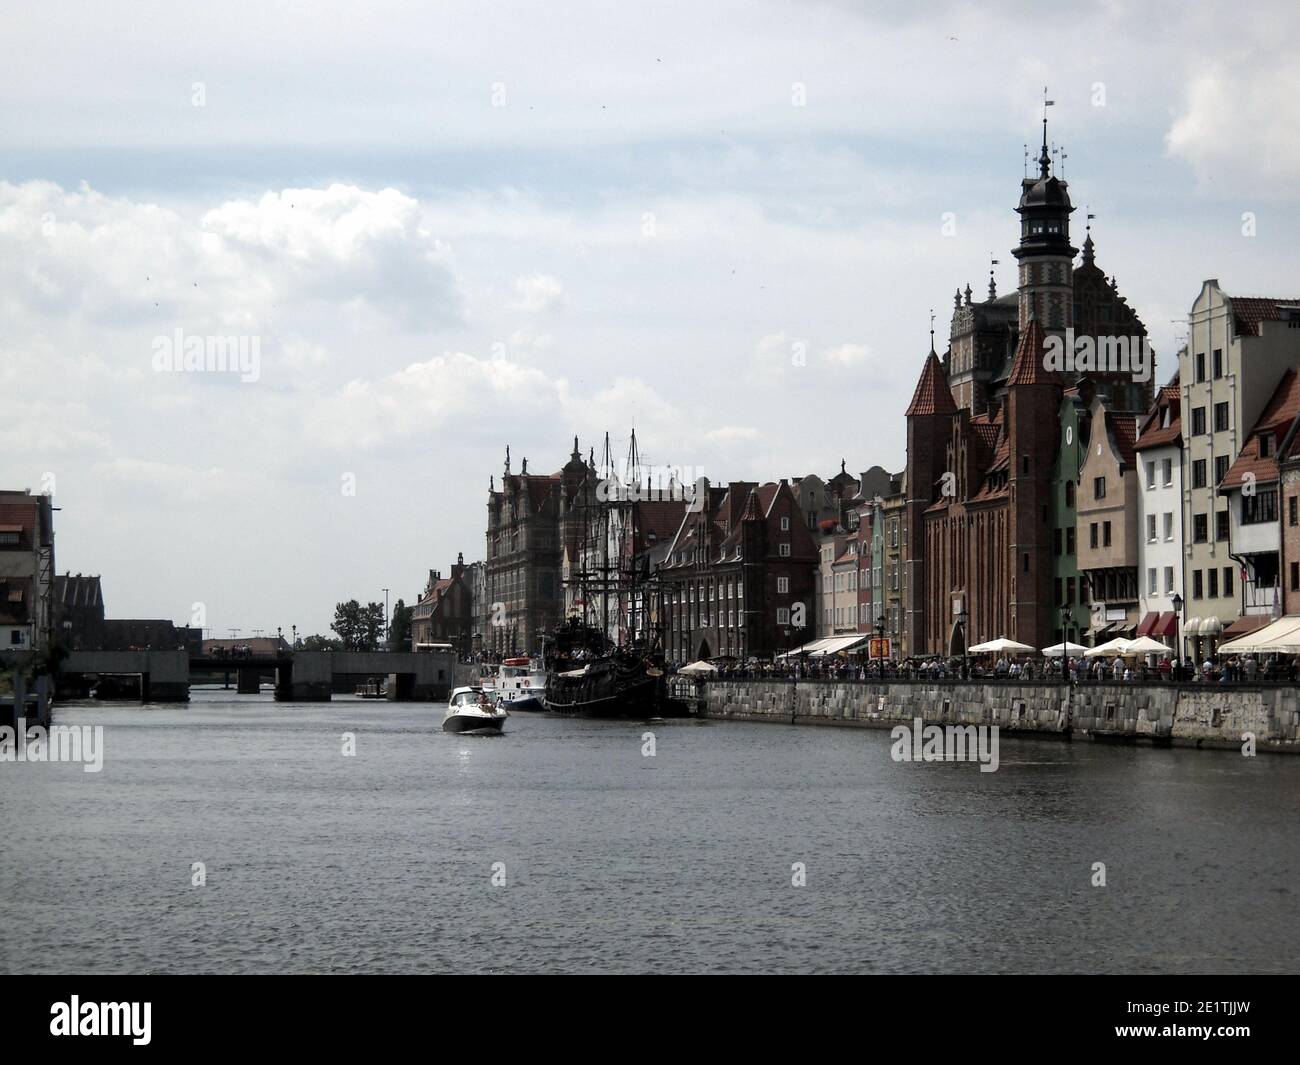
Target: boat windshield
[(467, 699)]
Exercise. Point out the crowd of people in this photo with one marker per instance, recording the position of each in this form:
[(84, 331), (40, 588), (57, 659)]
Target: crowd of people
[(1243, 669)]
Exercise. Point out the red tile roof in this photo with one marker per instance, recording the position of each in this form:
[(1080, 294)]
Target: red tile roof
[(1152, 433), (1028, 368), (932, 395), (1249, 311), (1281, 411)]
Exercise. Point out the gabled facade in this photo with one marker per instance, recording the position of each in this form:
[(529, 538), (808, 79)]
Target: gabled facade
[(1159, 451)]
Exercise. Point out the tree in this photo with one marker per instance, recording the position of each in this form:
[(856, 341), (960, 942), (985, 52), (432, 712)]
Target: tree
[(319, 643), (347, 623), (399, 633), (372, 626)]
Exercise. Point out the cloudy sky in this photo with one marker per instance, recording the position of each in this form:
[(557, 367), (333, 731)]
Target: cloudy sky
[(453, 227)]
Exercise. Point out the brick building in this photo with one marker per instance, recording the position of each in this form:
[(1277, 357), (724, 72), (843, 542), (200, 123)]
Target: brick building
[(444, 612), (983, 435), (26, 571), (738, 577)]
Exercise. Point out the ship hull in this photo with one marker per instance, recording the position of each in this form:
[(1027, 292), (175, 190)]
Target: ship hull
[(605, 692)]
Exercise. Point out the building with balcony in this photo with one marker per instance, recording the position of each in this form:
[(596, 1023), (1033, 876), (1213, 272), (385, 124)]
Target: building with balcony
[(1237, 350)]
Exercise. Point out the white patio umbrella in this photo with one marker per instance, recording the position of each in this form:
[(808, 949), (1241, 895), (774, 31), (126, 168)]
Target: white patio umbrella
[(699, 667), (1058, 649), (1001, 646), (1144, 645), (1117, 646)]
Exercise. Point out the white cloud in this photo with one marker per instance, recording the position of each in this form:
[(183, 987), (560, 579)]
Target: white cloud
[(537, 293)]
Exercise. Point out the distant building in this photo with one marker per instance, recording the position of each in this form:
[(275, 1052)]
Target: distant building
[(1238, 348), (26, 571), (78, 611), (1159, 450), (524, 592), (1107, 520), (153, 634), (1256, 514), (444, 612), (257, 646), (738, 577)]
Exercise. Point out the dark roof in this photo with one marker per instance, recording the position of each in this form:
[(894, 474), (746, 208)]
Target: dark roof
[(932, 395), (1028, 368), (1152, 433)]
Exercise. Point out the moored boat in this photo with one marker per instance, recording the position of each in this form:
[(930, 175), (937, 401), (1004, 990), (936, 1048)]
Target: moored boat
[(521, 684)]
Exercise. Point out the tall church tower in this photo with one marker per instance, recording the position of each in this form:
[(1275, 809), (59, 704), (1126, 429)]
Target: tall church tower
[(1044, 253)]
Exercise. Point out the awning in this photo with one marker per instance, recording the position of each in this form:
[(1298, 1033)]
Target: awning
[(1243, 625), (833, 645), (1100, 631), (1210, 626), (1166, 626), (1281, 636), (1148, 622), (806, 649)]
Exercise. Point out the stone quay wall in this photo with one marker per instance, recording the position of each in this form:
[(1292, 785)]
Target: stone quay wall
[(1164, 714)]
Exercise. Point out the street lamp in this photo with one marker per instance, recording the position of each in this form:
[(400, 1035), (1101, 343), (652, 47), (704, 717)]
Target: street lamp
[(1178, 636), (1065, 639), (386, 633), (880, 636), (963, 616)]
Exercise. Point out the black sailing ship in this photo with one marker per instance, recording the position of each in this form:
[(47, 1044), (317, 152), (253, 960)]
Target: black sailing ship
[(590, 673)]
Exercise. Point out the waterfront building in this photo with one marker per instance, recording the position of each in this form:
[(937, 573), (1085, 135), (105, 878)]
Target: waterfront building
[(738, 577), (1256, 514), (1159, 450), (478, 609), (1070, 587), (989, 488), (1289, 519), (1237, 350), (1107, 535), (896, 579), (528, 517), (26, 571), (444, 612)]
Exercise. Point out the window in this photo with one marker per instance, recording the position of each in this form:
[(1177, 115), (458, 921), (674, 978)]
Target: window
[(1151, 474), (1221, 525), (9, 538), (783, 615), (1024, 465), (1292, 516), (1220, 469), (1069, 493), (783, 585), (1198, 473), (1200, 527), (1295, 576), (1261, 507), (1169, 580), (1169, 525), (1265, 446), (1198, 421), (784, 551), (1092, 535), (1105, 534), (1221, 417), (1197, 585), (1218, 362), (1151, 581), (1214, 583), (1167, 470), (1227, 581), (1200, 366), (1069, 591), (1024, 562), (1099, 487), (785, 524), (1151, 530), (1069, 541)]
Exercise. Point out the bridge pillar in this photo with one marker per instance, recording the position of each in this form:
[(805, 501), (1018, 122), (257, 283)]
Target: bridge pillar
[(401, 687), (311, 675), (284, 683), (168, 678), (250, 681)]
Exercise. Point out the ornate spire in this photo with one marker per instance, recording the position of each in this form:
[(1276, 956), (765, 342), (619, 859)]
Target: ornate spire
[(1029, 368), (931, 330), (523, 470), (993, 285), (956, 301), (1045, 158), (932, 395), (507, 460), (968, 294)]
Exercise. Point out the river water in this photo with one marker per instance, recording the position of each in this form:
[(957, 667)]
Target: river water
[(615, 861)]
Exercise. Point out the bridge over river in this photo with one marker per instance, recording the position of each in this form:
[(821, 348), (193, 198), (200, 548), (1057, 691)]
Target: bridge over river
[(300, 676)]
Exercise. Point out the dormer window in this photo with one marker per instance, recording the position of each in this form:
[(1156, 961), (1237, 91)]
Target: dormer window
[(1265, 446)]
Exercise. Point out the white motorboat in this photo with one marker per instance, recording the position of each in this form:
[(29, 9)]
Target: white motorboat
[(521, 684), (471, 711)]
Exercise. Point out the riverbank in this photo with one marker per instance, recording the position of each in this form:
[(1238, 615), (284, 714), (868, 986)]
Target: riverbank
[(1163, 715)]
